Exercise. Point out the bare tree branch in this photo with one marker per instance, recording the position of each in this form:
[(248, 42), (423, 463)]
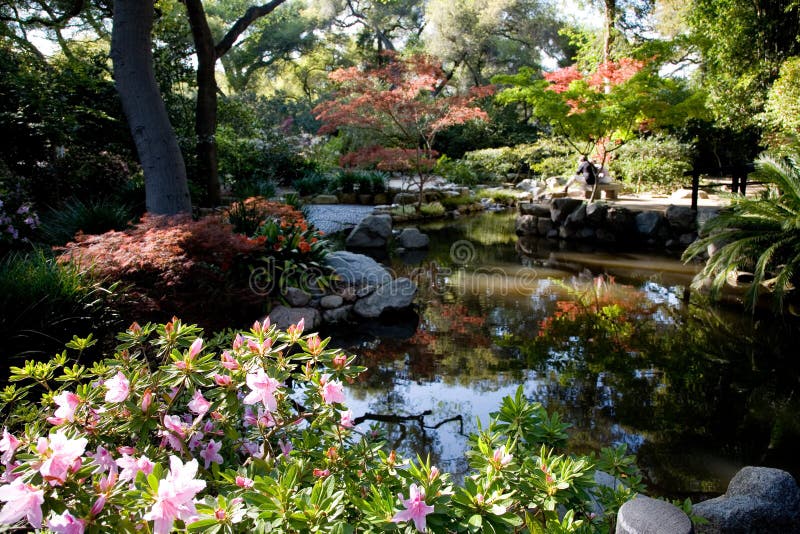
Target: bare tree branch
[(244, 22)]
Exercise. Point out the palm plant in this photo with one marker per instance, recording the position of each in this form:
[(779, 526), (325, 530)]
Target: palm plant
[(760, 235)]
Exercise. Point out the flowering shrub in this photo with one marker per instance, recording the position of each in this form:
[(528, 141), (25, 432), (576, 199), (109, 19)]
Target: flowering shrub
[(16, 223), (293, 249), (251, 434)]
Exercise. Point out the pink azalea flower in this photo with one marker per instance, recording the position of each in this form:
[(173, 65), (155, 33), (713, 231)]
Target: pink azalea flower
[(286, 447), (98, 505), (263, 389), (211, 453), (22, 500), (222, 380), (175, 496), (416, 509), (238, 341), (199, 405), (332, 391), (501, 458), (103, 460), (347, 419), (174, 431), (118, 388), (295, 331), (244, 482), (131, 466), (253, 449), (195, 349), (66, 523), (229, 361), (8, 444), (61, 453), (67, 402), (147, 399)]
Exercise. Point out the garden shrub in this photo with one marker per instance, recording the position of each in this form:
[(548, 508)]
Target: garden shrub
[(658, 162), (175, 264), (493, 164), (91, 217), (18, 221), (250, 433), (456, 171), (548, 156), (313, 183)]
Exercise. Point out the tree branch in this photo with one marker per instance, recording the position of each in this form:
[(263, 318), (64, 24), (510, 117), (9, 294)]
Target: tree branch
[(251, 15)]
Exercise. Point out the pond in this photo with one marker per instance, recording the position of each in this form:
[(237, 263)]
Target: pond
[(611, 340)]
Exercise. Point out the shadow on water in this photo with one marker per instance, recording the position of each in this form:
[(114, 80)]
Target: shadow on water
[(696, 390)]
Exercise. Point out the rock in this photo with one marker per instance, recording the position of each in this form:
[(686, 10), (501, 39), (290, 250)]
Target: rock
[(596, 213), (577, 218), (529, 185), (325, 199), (620, 220), (283, 317), (560, 208), (537, 209), (687, 239), (395, 295), (412, 238), (357, 269), (758, 500), (704, 215), (337, 315), (605, 236), (348, 294), (585, 233), (330, 302), (295, 297), (405, 198), (365, 291), (526, 225), (648, 222), (373, 232), (681, 219), (643, 515), (565, 232), (544, 225), (552, 234)]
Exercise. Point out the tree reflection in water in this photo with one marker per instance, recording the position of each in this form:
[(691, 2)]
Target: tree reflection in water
[(696, 390)]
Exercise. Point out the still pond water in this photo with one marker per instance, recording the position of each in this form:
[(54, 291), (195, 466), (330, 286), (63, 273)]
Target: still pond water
[(695, 390)]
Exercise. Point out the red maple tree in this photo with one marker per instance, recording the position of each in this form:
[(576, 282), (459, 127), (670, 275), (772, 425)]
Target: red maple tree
[(401, 106)]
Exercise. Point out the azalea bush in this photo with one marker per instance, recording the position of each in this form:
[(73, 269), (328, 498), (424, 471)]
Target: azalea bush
[(250, 432)]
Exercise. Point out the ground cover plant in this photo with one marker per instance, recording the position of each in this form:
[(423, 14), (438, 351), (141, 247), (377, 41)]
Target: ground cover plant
[(250, 431)]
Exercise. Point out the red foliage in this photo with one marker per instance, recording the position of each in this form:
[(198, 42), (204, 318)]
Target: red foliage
[(560, 79), (397, 102), (390, 159), (174, 264), (608, 74)]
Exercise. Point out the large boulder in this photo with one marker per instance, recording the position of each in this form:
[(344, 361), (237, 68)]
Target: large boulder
[(357, 269), (283, 317), (560, 208), (373, 232), (296, 297), (620, 220), (682, 219), (544, 225), (406, 198), (537, 209), (577, 218), (395, 295), (648, 222), (758, 500), (526, 225), (596, 213), (643, 515), (412, 238)]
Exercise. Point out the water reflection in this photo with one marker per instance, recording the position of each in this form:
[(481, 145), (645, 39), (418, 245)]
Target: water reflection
[(696, 391)]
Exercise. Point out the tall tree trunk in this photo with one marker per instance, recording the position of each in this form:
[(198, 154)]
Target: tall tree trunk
[(206, 111), (166, 188), (609, 20)]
